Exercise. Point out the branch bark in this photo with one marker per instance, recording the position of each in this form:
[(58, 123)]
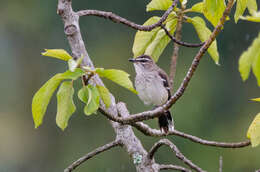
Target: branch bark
[(178, 153), (144, 128), (117, 19)]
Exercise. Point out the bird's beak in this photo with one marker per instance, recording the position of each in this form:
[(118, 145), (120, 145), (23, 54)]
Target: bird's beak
[(132, 60)]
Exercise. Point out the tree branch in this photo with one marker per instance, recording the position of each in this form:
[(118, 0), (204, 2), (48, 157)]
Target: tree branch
[(174, 148), (117, 19), (97, 151), (145, 129), (176, 47), (178, 42), (173, 167)]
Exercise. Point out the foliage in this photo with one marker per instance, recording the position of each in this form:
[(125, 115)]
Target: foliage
[(89, 94)]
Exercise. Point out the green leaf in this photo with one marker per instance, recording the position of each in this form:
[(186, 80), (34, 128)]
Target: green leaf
[(204, 34), (256, 99), (256, 67), (65, 104), (83, 94), (160, 41), (250, 58), (42, 97), (118, 76), (57, 53), (213, 10), (143, 39), (105, 95), (158, 5), (252, 6), (198, 7), (253, 133), (93, 101), (241, 6)]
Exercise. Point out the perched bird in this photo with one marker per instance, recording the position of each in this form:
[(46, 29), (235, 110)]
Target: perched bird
[(152, 85)]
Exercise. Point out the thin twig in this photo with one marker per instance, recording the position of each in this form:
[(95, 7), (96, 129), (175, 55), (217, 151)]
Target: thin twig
[(92, 154), (173, 167), (161, 109), (174, 148), (176, 47), (220, 164), (117, 19), (178, 42), (145, 129)]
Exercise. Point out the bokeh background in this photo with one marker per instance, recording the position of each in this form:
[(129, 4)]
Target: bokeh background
[(215, 106)]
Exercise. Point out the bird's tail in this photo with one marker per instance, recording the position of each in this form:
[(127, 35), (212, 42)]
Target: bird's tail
[(165, 122)]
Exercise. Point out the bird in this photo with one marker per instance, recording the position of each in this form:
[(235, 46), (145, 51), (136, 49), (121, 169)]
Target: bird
[(152, 85)]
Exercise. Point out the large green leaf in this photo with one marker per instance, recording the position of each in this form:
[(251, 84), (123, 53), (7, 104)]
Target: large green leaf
[(42, 97), (160, 41), (65, 104), (252, 6), (253, 133), (57, 53), (143, 39), (213, 10), (118, 76), (104, 94), (241, 6), (204, 34), (159, 5), (250, 58)]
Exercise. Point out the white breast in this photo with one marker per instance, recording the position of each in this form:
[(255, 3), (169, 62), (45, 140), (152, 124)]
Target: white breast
[(150, 89)]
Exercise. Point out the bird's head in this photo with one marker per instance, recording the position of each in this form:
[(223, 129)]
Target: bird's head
[(143, 62)]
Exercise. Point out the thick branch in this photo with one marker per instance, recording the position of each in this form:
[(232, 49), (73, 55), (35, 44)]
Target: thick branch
[(117, 19), (123, 133), (173, 167), (97, 151), (158, 111), (174, 148)]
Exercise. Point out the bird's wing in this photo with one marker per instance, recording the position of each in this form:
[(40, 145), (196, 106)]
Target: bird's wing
[(165, 80)]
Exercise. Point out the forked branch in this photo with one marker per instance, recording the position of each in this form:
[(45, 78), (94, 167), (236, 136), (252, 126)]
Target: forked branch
[(178, 153)]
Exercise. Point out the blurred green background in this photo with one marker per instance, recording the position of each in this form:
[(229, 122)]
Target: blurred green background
[(215, 106)]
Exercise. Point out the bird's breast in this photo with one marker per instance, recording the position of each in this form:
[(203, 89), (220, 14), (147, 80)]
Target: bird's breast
[(150, 89)]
